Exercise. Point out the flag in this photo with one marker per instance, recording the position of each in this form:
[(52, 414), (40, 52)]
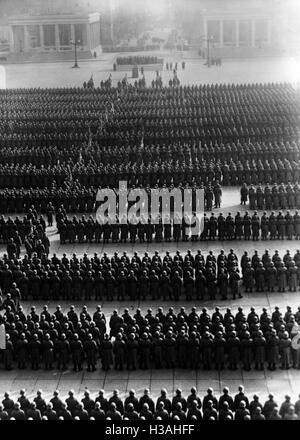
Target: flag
[(2, 337)]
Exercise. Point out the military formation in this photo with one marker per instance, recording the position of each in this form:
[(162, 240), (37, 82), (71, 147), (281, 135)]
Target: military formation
[(73, 197), (137, 59), (157, 229), (152, 340), (141, 277), (113, 407), (19, 229), (29, 232), (58, 148), (275, 197), (147, 136)]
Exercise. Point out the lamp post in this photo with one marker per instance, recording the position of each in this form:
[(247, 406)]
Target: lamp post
[(208, 40), (75, 43)]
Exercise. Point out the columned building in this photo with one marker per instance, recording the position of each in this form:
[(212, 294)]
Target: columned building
[(229, 24), (54, 32), (236, 31)]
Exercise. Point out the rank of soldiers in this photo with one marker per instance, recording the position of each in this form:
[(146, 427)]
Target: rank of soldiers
[(193, 407), (142, 276), (215, 227), (161, 340), (275, 197)]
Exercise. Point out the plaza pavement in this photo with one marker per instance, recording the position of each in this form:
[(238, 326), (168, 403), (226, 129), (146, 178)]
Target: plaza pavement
[(61, 74), (279, 382)]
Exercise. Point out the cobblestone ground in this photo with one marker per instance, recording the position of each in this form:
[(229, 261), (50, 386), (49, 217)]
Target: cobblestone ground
[(263, 382)]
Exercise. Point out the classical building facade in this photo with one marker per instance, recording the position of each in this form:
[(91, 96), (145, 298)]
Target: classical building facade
[(51, 25), (229, 23), (54, 32)]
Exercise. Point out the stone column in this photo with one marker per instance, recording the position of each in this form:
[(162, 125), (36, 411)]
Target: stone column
[(205, 29), (42, 43), (26, 39), (237, 33), (88, 36), (221, 33), (253, 33), (11, 40), (57, 41), (269, 38), (73, 32)]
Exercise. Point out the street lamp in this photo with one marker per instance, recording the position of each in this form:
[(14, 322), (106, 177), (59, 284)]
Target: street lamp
[(75, 43), (208, 40)]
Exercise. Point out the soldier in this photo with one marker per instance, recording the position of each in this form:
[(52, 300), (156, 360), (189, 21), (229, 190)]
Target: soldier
[(48, 352), (234, 279), (40, 402), (212, 227), (238, 226), (246, 350), (77, 353), (211, 282), (91, 350), (144, 285), (34, 348), (63, 352), (247, 226), (21, 351), (282, 275), (285, 350), (252, 198), (244, 194), (292, 277), (264, 224), (189, 285), (56, 402), (249, 278), (272, 350), (33, 412), (106, 350), (281, 226), (205, 231), (296, 219), (223, 283), (219, 350), (260, 275), (119, 347), (269, 406), (217, 194), (145, 351), (233, 345)]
